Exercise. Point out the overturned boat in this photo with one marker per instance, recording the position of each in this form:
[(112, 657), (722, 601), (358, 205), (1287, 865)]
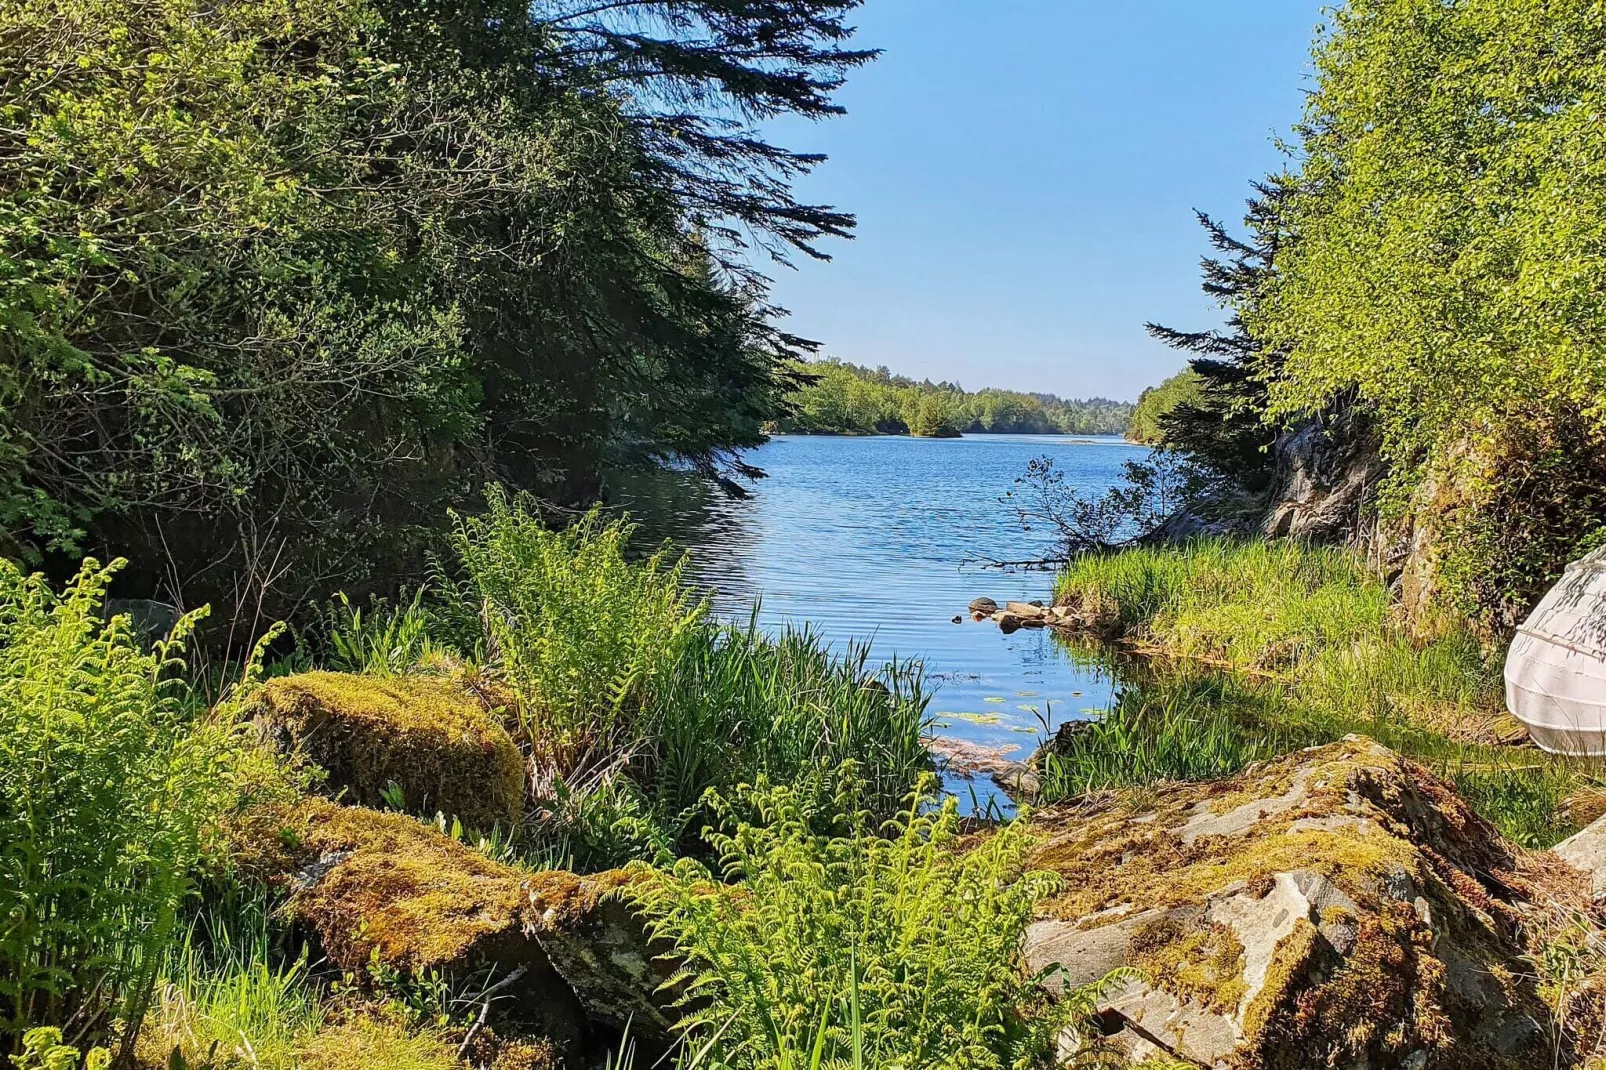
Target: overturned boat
[(1556, 669)]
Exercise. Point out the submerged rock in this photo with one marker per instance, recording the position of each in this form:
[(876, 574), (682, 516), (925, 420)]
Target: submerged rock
[(434, 741), (965, 759), (1339, 907)]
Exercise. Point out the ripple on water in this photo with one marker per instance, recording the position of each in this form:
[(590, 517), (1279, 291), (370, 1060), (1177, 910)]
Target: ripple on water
[(885, 539)]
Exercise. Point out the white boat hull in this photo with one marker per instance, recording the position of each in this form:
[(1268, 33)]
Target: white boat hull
[(1556, 668)]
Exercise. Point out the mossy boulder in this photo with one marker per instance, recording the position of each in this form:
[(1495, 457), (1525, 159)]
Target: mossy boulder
[(432, 739), (387, 892), (1338, 907)]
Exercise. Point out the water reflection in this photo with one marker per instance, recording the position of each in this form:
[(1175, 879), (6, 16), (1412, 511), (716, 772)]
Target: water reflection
[(886, 539)]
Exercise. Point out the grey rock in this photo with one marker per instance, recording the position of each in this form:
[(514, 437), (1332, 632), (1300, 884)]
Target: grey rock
[(1586, 851)]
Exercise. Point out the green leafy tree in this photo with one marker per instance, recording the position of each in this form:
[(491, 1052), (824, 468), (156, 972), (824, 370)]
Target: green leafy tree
[(279, 281), (1446, 267)]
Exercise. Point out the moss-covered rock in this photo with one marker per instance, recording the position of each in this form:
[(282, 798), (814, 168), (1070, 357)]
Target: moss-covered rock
[(1338, 907), (429, 737), (386, 892)]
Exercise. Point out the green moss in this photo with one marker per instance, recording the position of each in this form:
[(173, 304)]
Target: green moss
[(390, 889), (1201, 962), (426, 735), (1369, 822)]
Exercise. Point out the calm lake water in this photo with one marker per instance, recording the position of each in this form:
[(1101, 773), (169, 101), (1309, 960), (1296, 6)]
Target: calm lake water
[(884, 539)]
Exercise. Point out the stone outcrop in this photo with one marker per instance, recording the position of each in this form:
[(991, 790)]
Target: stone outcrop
[(1325, 475), (1340, 907), (436, 742), (1325, 479), (387, 892), (1586, 852)]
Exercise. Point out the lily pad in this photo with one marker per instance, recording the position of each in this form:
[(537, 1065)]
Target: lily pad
[(978, 718)]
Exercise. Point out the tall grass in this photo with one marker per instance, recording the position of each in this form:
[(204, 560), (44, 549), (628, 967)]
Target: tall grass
[(1310, 653), (106, 788), (1253, 604), (739, 704), (1193, 727)]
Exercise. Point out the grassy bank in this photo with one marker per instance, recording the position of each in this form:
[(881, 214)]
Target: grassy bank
[(771, 797), (1258, 648)]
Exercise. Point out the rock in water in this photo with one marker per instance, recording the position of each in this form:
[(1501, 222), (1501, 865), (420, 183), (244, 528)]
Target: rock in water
[(1339, 907), (985, 606), (433, 740)]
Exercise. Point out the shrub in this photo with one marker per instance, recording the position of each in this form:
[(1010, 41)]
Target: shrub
[(841, 944), (106, 786), (584, 635)]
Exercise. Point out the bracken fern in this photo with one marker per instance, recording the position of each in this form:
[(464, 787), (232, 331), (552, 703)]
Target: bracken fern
[(842, 947)]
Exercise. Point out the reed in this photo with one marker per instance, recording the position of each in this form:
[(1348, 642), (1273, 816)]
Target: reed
[(1269, 646)]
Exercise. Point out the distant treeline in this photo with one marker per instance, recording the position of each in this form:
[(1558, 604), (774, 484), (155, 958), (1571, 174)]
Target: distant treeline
[(847, 399)]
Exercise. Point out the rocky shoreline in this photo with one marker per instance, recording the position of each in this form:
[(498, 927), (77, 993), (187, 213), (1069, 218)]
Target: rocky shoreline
[(1339, 906)]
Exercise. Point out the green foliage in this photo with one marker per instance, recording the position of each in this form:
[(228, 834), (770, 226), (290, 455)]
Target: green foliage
[(585, 636), (106, 787), (1157, 402), (1309, 652), (382, 640), (1448, 218), (840, 398), (42, 1049), (279, 282), (1445, 266), (845, 948)]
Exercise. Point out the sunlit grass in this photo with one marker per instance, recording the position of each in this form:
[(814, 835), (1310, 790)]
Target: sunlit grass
[(1269, 646)]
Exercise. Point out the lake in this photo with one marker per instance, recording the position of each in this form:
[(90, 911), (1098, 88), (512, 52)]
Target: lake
[(885, 539)]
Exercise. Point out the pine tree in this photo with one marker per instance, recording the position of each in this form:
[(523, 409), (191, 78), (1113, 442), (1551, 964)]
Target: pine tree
[(1224, 430)]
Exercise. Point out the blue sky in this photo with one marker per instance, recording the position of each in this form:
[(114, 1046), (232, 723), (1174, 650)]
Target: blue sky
[(1025, 171)]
